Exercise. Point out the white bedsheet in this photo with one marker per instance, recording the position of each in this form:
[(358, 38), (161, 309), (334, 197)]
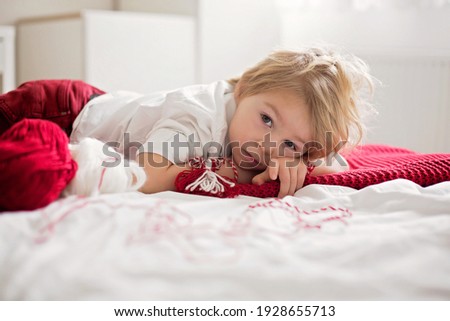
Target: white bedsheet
[(386, 242)]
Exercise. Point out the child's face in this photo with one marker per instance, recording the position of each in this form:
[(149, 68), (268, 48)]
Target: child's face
[(269, 125)]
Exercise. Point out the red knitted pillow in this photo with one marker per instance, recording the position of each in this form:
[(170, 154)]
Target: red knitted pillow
[(35, 165), (370, 164)]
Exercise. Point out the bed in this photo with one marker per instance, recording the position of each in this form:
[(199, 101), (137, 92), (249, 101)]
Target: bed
[(388, 241)]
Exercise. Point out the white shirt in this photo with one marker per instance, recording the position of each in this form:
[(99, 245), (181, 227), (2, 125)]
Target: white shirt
[(164, 123)]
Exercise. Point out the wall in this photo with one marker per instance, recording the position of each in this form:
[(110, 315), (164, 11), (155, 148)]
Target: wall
[(384, 30), (407, 47), (222, 49), (372, 29), (232, 35)]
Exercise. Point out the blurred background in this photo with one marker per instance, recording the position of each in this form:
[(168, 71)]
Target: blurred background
[(150, 45)]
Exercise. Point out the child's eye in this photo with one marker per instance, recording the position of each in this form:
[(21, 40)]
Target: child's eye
[(267, 120), (290, 145)]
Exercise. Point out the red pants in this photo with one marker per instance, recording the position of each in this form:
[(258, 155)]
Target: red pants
[(59, 101)]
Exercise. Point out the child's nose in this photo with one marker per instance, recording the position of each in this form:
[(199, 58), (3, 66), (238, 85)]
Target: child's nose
[(270, 147)]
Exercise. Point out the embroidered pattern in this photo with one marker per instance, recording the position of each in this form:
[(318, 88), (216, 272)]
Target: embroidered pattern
[(305, 218)]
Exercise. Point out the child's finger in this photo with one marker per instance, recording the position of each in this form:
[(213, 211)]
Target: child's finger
[(285, 182), (273, 170), (294, 180), (261, 178), (301, 177)]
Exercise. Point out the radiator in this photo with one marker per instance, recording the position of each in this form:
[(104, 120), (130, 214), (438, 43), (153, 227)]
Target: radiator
[(413, 102)]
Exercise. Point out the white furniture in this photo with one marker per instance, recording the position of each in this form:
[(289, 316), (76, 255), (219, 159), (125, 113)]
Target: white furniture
[(111, 50), (144, 52), (7, 58)]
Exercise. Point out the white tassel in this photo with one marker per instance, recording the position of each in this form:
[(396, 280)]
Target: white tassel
[(210, 182)]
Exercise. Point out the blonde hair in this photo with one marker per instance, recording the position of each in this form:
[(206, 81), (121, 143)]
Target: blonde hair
[(332, 86)]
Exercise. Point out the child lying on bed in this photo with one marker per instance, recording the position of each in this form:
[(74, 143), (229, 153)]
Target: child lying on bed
[(290, 110)]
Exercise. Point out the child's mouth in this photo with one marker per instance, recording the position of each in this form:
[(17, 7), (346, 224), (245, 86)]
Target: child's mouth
[(248, 160)]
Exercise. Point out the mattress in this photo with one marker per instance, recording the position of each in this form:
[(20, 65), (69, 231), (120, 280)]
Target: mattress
[(389, 241)]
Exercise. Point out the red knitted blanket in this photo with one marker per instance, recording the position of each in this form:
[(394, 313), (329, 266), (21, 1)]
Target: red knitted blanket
[(370, 164)]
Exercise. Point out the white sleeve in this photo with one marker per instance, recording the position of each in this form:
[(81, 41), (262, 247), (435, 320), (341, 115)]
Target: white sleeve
[(170, 144), (189, 120), (176, 136), (104, 117)]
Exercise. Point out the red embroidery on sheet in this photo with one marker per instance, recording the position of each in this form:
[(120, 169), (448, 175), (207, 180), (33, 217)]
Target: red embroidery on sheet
[(49, 229), (159, 219), (78, 203), (340, 213), (168, 224)]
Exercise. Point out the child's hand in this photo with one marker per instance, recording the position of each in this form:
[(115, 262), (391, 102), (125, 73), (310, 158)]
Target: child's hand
[(291, 173)]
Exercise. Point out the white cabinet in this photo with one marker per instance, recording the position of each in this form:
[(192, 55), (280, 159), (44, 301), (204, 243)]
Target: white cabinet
[(7, 58), (109, 49)]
